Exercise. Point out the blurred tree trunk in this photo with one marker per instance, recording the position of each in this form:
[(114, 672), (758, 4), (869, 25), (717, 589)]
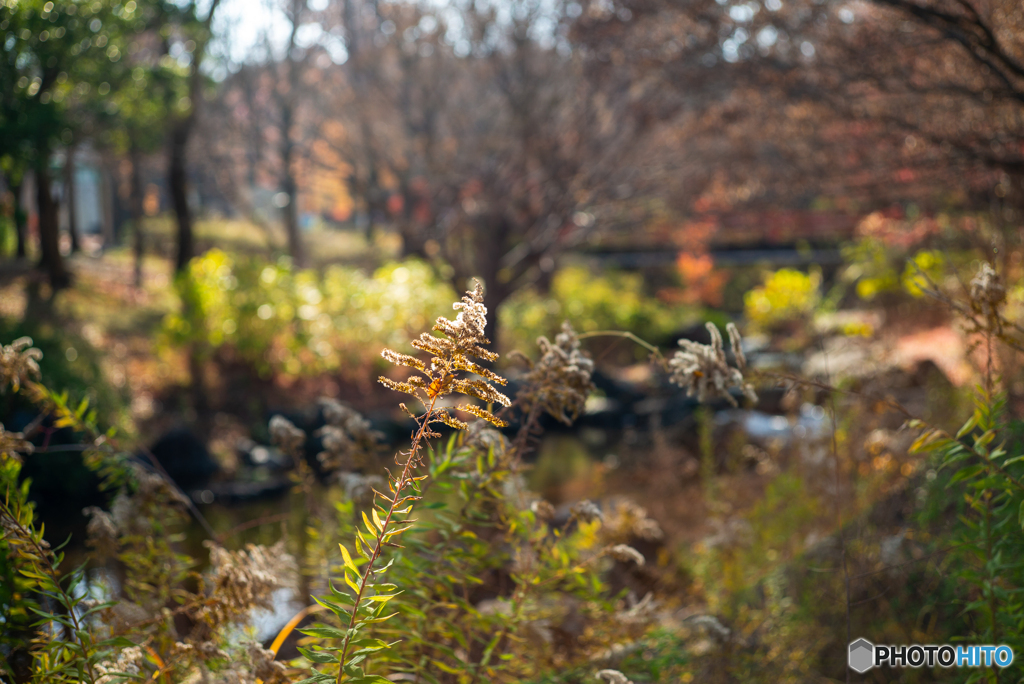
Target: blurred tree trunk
[(69, 199), (19, 219), (136, 209), (177, 181), (485, 262), (49, 229), (181, 131), (287, 97)]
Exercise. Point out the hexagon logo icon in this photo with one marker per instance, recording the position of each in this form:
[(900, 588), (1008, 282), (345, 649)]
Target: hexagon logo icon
[(861, 656)]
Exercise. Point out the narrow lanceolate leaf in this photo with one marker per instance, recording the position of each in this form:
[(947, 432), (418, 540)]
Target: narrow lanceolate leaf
[(398, 530), (340, 611), (337, 593), (376, 520), (323, 632), (382, 496), (368, 553), (348, 559), (370, 526), (968, 426), (380, 619), (321, 657), (316, 678)]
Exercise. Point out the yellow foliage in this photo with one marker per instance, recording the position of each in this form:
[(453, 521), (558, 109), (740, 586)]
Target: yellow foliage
[(787, 294)]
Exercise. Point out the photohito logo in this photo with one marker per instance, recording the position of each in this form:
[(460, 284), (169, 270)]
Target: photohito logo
[(864, 655)]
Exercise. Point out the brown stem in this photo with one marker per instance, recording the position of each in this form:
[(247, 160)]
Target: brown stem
[(403, 481)]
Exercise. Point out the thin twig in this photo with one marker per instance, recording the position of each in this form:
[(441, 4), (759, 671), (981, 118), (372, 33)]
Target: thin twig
[(655, 352)]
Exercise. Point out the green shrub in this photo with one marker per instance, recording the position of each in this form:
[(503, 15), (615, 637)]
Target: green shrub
[(616, 301), (302, 322)]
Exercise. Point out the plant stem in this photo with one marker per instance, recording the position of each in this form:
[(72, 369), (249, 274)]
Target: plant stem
[(990, 577), (403, 481), (655, 352), (44, 556)]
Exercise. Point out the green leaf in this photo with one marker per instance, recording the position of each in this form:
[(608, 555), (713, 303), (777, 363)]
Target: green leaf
[(324, 632), (318, 656), (968, 426), (340, 611), (116, 642), (317, 677)]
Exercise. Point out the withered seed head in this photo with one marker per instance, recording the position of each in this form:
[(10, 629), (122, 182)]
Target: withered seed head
[(559, 382), (703, 371), (451, 368)]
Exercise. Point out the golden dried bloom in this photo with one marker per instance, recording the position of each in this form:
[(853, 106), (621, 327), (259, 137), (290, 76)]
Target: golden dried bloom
[(263, 665), (346, 436), (128, 663), (987, 291), (640, 612), (243, 580), (348, 419), (736, 342), (102, 533), (451, 367), (703, 371), (128, 512), (125, 615), (625, 553), (586, 511), (612, 677), (19, 362), (285, 436), (13, 444), (559, 382), (544, 511), (481, 434), (203, 650), (626, 520)]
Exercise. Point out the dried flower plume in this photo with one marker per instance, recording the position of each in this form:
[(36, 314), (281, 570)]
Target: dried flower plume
[(243, 580), (13, 444), (19, 362), (285, 436), (559, 382), (124, 669), (346, 436), (446, 373), (987, 292), (703, 370), (586, 511), (625, 554)]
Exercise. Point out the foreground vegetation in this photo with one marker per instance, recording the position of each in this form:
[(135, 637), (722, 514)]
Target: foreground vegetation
[(448, 567)]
